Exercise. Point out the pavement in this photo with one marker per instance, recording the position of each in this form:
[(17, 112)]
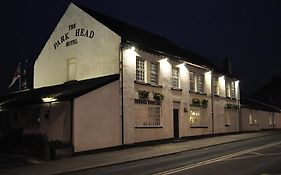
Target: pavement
[(82, 162)]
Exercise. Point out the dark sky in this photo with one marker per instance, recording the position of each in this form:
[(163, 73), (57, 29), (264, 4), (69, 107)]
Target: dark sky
[(248, 32)]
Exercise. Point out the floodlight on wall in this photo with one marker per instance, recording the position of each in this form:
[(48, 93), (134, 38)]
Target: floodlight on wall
[(49, 99)]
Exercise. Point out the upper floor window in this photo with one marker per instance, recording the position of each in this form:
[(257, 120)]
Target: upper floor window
[(230, 89), (216, 86), (196, 82), (140, 69), (175, 77), (154, 73)]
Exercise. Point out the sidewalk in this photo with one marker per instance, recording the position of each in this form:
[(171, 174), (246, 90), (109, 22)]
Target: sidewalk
[(126, 155)]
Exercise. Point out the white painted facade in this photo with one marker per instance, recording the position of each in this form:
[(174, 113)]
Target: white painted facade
[(78, 57), (97, 116), (96, 119)]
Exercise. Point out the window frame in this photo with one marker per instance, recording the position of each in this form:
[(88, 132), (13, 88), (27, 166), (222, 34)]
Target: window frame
[(154, 74), (147, 118), (175, 77), (140, 70)]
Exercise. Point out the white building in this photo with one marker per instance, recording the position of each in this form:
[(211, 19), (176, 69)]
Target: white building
[(105, 80)]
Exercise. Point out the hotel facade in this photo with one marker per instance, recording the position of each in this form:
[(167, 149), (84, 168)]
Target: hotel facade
[(101, 83)]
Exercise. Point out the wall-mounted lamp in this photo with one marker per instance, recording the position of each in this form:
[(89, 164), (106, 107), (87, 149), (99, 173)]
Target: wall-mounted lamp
[(49, 99)]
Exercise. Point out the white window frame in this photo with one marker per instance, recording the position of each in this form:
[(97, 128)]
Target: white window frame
[(140, 69), (154, 73), (175, 77), (253, 119), (71, 69), (195, 80), (198, 117), (216, 85), (148, 114)]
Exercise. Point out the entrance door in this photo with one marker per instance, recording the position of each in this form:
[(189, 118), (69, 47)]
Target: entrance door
[(176, 123)]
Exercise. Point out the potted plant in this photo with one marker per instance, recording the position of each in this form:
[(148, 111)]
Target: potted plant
[(158, 96), (196, 102), (143, 94), (60, 149), (204, 103)]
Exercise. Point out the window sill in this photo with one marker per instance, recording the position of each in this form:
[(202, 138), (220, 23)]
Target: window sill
[(148, 127), (199, 106), (144, 101), (148, 84), (198, 93), (234, 99), (176, 89), (253, 124), (198, 126)]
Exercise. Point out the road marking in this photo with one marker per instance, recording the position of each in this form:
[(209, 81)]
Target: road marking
[(252, 156), (256, 153), (217, 159)]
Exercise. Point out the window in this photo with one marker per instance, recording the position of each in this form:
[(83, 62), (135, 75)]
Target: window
[(253, 119), (271, 120), (154, 73), (140, 70), (192, 81), (196, 82), (148, 113), (228, 114), (216, 86), (175, 78), (230, 89), (71, 69), (200, 79), (198, 116)]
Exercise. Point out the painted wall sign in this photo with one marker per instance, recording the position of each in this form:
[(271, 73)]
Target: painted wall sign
[(71, 37)]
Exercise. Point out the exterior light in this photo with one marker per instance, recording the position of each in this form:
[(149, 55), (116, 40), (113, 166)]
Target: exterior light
[(180, 65), (49, 99)]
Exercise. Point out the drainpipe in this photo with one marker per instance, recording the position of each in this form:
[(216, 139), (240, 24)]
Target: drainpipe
[(212, 99), (121, 72), (71, 121)]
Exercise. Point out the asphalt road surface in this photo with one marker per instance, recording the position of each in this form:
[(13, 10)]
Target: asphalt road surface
[(259, 156)]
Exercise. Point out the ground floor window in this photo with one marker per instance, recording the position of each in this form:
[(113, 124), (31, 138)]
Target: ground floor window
[(198, 116), (271, 120), (229, 113), (147, 113), (253, 119)]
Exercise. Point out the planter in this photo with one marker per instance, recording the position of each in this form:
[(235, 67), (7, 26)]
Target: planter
[(59, 153)]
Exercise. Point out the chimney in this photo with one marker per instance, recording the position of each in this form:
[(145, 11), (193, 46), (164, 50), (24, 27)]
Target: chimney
[(227, 66)]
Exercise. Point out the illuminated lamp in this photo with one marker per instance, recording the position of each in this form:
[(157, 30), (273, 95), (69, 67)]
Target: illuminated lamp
[(49, 99)]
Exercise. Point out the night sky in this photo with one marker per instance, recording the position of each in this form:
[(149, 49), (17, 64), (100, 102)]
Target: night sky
[(247, 32)]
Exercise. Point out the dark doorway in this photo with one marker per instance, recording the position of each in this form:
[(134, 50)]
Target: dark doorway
[(176, 123)]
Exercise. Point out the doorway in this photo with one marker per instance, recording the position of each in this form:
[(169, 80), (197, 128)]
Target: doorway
[(176, 123)]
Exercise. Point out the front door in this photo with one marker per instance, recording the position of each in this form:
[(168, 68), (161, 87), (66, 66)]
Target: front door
[(176, 123)]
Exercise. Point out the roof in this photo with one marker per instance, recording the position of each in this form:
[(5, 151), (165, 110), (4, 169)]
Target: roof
[(270, 93), (147, 40), (66, 91), (247, 102)]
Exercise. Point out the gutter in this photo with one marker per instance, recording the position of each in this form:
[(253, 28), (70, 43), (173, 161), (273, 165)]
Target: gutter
[(121, 72)]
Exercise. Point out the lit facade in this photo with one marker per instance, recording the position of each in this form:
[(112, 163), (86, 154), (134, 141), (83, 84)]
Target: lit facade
[(158, 94)]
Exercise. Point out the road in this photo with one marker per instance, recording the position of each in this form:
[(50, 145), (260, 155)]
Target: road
[(255, 156)]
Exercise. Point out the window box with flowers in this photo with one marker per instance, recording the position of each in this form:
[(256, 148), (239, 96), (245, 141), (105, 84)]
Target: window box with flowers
[(143, 94), (158, 96), (230, 106), (204, 103), (195, 102)]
